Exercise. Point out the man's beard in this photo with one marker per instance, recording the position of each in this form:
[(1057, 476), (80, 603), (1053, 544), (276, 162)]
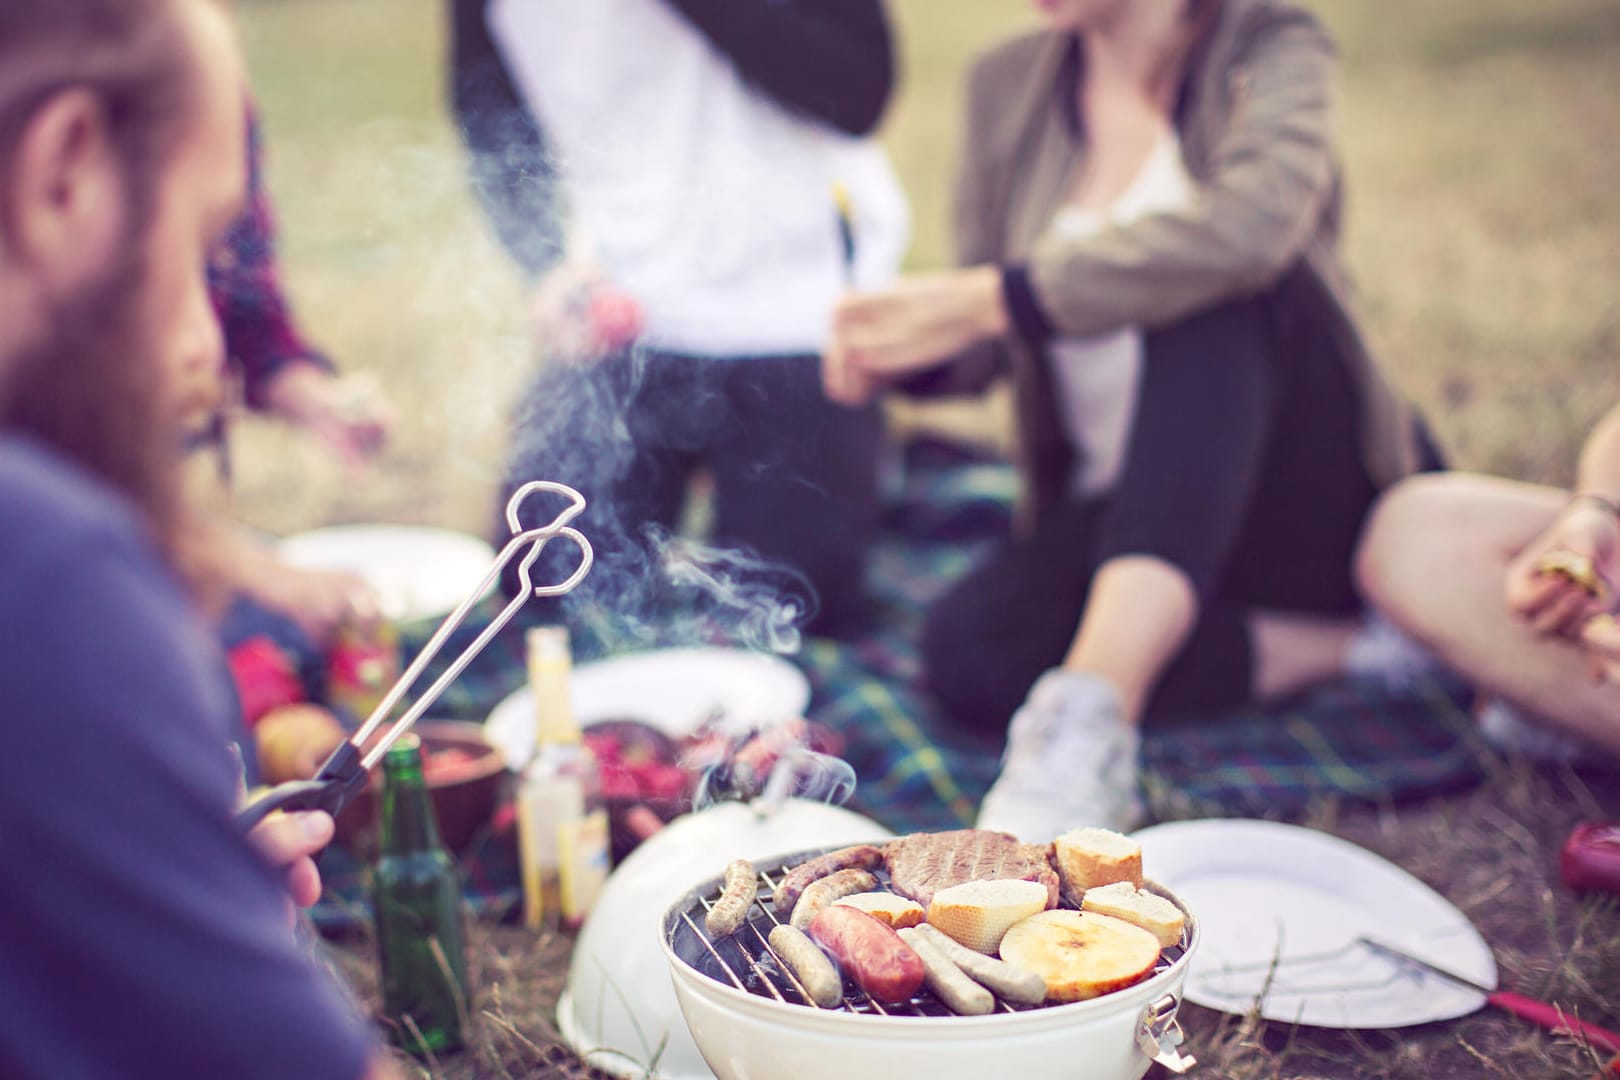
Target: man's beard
[(96, 391)]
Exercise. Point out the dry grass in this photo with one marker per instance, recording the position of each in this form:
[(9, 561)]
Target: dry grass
[(1485, 233)]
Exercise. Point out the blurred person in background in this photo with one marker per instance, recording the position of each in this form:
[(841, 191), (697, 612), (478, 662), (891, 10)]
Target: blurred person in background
[(1513, 585), (691, 183), (144, 934), (1147, 212)]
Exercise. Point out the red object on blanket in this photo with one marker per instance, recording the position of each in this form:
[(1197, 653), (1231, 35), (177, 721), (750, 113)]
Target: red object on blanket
[(1590, 861), (266, 678)]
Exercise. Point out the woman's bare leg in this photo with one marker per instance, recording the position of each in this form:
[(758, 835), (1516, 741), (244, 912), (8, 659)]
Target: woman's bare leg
[(1294, 651), (1433, 561), (1136, 619)]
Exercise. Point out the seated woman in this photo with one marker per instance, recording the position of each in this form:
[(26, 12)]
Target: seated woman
[(1147, 209), (1511, 584)]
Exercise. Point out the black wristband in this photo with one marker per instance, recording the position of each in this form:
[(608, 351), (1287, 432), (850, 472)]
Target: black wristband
[(1028, 317)]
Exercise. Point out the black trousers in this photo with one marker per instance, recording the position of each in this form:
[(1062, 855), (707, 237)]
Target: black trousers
[(795, 497), (1243, 469)]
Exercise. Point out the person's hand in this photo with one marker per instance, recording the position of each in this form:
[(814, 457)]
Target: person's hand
[(319, 601), (348, 413), (577, 315), (918, 322), (1568, 574), (291, 840)]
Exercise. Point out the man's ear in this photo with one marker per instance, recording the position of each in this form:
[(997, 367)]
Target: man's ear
[(65, 198)]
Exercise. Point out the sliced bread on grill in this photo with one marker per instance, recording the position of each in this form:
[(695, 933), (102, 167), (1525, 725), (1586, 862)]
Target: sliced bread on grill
[(1089, 857), (977, 913), (895, 911), (1138, 907)]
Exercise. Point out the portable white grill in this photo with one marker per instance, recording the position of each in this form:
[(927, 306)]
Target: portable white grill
[(752, 1020)]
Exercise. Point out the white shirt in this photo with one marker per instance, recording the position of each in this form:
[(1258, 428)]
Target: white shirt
[(1097, 376), (710, 204)]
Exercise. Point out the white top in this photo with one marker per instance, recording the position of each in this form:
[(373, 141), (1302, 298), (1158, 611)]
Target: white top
[(710, 204), (1097, 376)]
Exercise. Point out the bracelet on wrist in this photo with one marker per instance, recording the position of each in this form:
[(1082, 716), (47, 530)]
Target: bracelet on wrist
[(1609, 506)]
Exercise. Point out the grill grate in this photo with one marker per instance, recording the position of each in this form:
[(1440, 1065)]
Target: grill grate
[(746, 961)]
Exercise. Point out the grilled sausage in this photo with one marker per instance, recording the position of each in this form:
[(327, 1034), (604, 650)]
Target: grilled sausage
[(1004, 979), (731, 910), (823, 892), (871, 954), (860, 857), (815, 972), (961, 995)]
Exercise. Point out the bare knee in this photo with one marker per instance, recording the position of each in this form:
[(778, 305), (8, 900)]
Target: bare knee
[(1417, 541)]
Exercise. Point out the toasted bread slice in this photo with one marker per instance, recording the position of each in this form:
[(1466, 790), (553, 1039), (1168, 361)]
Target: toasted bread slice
[(897, 912), (1138, 907), (1090, 857), (977, 913), (1080, 954)]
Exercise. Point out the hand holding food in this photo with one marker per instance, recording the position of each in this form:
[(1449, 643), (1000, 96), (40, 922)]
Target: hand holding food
[(916, 323), (1566, 575), (1601, 636)]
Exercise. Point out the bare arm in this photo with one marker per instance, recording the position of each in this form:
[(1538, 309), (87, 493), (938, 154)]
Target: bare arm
[(1599, 470)]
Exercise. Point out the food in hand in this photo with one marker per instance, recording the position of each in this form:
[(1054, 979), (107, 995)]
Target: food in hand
[(978, 913), (923, 863), (871, 954), (294, 740), (1080, 955), (1089, 857), (1138, 907), (809, 964), (729, 912), (859, 857), (950, 984), (1574, 568), (886, 907), (821, 894), (1001, 978)]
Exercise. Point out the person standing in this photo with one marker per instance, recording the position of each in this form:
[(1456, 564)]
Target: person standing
[(691, 184)]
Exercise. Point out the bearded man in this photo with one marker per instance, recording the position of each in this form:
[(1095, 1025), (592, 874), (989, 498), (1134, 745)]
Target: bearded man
[(143, 935)]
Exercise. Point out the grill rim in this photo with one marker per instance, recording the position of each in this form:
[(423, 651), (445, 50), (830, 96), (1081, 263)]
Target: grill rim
[(689, 907)]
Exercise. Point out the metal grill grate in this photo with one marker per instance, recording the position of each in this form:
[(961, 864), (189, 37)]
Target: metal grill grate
[(746, 960)]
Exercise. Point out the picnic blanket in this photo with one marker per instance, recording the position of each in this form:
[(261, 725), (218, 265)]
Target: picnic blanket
[(947, 505)]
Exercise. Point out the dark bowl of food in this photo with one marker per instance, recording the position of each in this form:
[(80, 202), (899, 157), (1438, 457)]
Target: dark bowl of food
[(464, 774)]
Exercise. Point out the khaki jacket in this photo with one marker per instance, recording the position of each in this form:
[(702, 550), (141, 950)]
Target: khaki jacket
[(1255, 129)]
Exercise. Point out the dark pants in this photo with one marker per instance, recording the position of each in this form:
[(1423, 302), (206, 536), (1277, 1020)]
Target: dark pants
[(1243, 469), (795, 498)]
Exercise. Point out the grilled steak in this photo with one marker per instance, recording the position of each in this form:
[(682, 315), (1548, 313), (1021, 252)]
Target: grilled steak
[(923, 863)]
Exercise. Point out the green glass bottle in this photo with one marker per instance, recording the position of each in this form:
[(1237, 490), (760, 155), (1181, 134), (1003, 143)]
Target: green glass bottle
[(416, 898)]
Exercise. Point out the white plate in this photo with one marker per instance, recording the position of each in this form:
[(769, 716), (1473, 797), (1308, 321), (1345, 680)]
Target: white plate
[(418, 572), (674, 690), (1265, 891)]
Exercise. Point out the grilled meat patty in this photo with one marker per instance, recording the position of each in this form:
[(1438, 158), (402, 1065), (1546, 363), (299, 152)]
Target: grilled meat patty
[(923, 863)]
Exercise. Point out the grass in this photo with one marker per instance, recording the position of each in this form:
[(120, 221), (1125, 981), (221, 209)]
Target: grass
[(1484, 232)]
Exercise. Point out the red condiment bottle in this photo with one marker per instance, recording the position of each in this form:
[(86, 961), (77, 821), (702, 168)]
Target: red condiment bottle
[(1590, 861)]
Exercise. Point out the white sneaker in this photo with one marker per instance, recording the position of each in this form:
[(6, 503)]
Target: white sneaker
[(1379, 650), (1511, 730), (1071, 760)]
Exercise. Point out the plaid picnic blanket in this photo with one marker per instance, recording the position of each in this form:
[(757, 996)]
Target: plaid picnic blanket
[(1360, 741), (1354, 741)]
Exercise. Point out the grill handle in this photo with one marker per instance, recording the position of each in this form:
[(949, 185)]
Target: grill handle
[(1160, 1037)]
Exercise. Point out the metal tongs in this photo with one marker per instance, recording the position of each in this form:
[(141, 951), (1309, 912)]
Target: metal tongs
[(343, 775)]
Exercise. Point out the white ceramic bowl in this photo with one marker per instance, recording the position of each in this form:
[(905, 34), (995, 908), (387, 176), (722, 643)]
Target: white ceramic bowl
[(745, 1036)]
